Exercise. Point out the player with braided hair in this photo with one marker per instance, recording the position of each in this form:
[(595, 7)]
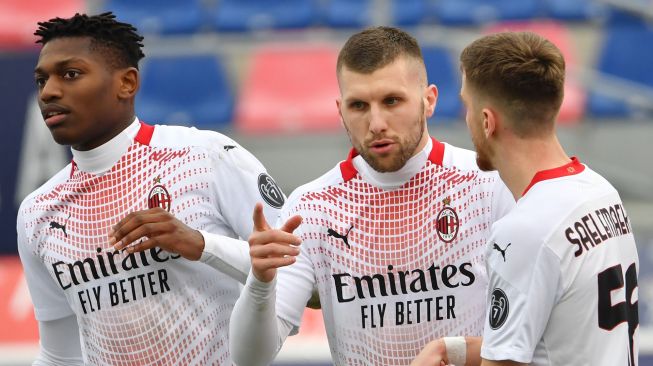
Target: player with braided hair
[(131, 186), (106, 33)]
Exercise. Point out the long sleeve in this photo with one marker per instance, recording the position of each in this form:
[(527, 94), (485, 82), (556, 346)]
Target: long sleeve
[(60, 344), (255, 326), (227, 255)]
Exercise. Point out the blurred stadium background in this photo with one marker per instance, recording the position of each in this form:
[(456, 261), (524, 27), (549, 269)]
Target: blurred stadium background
[(263, 72)]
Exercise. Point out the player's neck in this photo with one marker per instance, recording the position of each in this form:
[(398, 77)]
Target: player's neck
[(392, 180), (519, 160), (102, 158)]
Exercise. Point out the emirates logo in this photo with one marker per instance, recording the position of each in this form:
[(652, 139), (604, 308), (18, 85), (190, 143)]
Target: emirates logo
[(159, 196), (447, 222)]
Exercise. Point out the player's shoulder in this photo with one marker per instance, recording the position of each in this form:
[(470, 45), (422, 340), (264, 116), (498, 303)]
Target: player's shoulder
[(182, 137), (47, 187), (331, 178), (519, 244), (555, 198), (551, 205), (518, 226), (220, 148), (459, 157), (464, 160)]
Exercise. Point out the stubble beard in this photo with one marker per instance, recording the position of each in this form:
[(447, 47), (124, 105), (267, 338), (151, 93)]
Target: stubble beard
[(407, 149), (483, 154)]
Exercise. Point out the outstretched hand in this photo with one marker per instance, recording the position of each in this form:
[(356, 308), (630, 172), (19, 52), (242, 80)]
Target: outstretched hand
[(161, 229), (270, 248)]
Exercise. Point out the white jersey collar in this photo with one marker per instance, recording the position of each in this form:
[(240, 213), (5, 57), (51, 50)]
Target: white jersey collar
[(99, 160), (355, 164)]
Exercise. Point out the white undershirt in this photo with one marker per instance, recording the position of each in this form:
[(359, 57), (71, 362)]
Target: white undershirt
[(395, 179), (103, 157), (255, 309)]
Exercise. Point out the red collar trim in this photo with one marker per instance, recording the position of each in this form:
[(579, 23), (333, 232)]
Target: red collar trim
[(144, 136), (73, 167), (348, 170), (572, 168), (437, 152)]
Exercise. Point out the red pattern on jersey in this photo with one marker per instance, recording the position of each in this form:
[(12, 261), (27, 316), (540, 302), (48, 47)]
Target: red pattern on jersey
[(186, 324), (396, 228)]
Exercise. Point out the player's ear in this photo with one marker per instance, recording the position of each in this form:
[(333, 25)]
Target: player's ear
[(490, 122), (338, 105), (128, 83), (430, 99)]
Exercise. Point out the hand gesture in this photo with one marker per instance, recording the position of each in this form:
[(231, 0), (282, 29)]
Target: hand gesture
[(270, 248), (161, 230)]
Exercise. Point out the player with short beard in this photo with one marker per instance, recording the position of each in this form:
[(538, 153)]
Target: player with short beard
[(392, 238), (563, 264)]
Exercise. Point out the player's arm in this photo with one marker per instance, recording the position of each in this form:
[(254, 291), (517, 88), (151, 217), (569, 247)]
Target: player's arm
[(163, 230), (237, 189), (242, 182), (59, 345), (522, 291), (254, 325), (254, 322), (458, 351), (58, 329)]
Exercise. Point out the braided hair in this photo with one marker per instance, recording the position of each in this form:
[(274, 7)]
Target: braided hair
[(118, 40)]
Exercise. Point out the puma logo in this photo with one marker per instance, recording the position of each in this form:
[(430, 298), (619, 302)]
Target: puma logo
[(229, 147), (502, 251), (56, 225), (335, 234)]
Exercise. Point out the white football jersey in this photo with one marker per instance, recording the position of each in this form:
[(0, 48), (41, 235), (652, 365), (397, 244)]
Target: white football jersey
[(397, 258), (152, 307), (563, 272)]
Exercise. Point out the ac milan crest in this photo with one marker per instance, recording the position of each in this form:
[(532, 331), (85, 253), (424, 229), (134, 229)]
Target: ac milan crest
[(447, 223), (159, 196)]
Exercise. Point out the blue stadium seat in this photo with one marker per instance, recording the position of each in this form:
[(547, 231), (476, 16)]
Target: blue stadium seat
[(626, 54), (570, 10), (160, 16), (348, 13), (600, 105), (192, 90), (615, 16), (441, 72), (409, 12), (469, 12), (246, 15)]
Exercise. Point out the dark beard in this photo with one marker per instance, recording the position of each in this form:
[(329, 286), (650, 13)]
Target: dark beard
[(406, 151)]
